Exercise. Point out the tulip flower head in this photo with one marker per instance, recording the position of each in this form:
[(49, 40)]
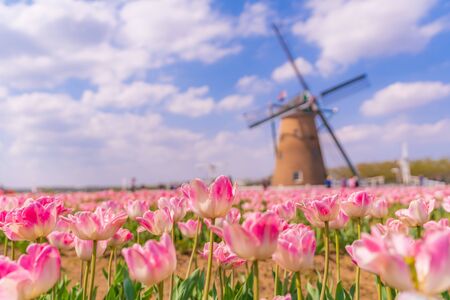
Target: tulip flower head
[(61, 240), (210, 202), (189, 228), (13, 278), (296, 248), (357, 205), (83, 248), (157, 222), (153, 262), (136, 208), (256, 238), (98, 225), (31, 221), (321, 210), (418, 212), (43, 264), (379, 208), (121, 237), (177, 207)]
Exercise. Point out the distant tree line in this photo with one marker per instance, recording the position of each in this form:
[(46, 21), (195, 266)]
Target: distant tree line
[(436, 169)]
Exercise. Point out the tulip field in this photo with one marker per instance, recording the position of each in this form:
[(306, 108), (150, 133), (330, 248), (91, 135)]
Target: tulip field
[(221, 241)]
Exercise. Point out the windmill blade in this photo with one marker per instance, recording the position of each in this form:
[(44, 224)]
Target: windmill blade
[(260, 116), (336, 141), (290, 57), (345, 88)]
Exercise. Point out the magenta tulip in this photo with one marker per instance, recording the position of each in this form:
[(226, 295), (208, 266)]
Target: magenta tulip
[(32, 221), (121, 237), (13, 279)]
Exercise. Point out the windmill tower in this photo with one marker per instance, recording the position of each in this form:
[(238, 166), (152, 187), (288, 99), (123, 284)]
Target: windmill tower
[(298, 154)]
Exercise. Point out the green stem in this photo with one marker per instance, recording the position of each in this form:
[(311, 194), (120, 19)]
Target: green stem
[(172, 277), (388, 293), (277, 271), (358, 270), (327, 253), (93, 260), (138, 237), (210, 260), (419, 232), (298, 282), (338, 257), (85, 280), (110, 263), (54, 292), (13, 252), (5, 246), (82, 273), (379, 286), (232, 278), (256, 280), (161, 290), (115, 260), (194, 249), (220, 283)]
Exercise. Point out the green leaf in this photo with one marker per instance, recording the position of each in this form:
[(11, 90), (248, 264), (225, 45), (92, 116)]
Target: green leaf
[(128, 289)]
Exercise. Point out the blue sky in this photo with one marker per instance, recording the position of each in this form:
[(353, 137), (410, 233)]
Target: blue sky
[(92, 92)]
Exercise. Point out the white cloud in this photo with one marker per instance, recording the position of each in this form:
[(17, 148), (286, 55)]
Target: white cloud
[(192, 103), (370, 142), (254, 20), (349, 30), (136, 94), (253, 84), (47, 42), (402, 96), (235, 102), (285, 71)]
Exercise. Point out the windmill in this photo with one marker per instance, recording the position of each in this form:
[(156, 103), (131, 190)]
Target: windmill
[(298, 152)]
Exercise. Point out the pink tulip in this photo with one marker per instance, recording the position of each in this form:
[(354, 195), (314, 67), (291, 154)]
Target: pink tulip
[(286, 211), (296, 247), (177, 207), (395, 258), (322, 210), (417, 214), (340, 221), (61, 240), (189, 228), (285, 297), (232, 217), (442, 224), (43, 264), (153, 262), (357, 205), (31, 221), (136, 208), (222, 255), (256, 239), (83, 248), (13, 279), (121, 237), (157, 222), (392, 226), (98, 225), (379, 208), (212, 202)]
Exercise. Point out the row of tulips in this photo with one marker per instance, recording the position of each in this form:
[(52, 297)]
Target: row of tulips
[(409, 255)]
